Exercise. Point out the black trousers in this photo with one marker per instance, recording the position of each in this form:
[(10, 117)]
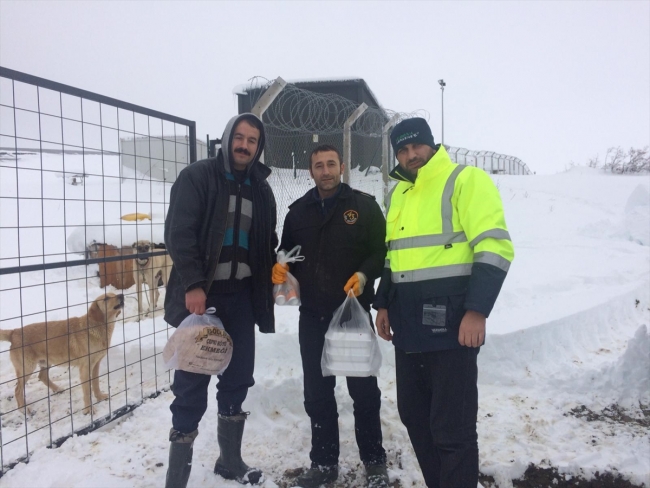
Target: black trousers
[(320, 403), (437, 400), (191, 389)]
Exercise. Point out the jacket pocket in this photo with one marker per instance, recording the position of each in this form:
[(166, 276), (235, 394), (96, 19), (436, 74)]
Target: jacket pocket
[(440, 316), (433, 317)]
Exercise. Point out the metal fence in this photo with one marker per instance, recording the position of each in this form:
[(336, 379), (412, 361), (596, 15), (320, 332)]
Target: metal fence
[(71, 208), (297, 120), (489, 161)]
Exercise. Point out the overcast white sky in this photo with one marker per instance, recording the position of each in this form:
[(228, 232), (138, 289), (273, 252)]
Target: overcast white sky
[(547, 81)]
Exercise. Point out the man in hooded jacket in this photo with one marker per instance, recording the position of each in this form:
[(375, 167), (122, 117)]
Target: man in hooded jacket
[(220, 233)]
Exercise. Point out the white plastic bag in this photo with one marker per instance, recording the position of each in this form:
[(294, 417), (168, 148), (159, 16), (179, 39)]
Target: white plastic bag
[(199, 345), (288, 293), (351, 347)]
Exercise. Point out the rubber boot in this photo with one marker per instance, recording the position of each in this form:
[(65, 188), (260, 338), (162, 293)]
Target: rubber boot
[(377, 476), (316, 476), (180, 458), (230, 465)]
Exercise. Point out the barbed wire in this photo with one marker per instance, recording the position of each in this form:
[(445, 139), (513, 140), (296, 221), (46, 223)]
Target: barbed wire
[(299, 110)]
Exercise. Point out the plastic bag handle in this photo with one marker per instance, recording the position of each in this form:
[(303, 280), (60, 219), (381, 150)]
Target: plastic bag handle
[(291, 256), (346, 310), (211, 310)]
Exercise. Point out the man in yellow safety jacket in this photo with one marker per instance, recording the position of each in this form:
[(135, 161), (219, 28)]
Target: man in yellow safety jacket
[(448, 254)]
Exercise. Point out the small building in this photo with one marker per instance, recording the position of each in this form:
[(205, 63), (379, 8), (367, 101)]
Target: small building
[(158, 158), (289, 147)]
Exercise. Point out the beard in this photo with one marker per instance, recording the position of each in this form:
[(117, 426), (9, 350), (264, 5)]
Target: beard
[(328, 184)]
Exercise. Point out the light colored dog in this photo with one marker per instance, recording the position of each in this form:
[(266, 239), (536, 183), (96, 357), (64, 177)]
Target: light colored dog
[(80, 341), (154, 271)]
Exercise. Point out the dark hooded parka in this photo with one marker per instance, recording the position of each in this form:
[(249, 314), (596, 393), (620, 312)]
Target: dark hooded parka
[(196, 226)]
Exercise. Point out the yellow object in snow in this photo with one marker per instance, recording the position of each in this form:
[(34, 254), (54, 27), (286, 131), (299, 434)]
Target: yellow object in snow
[(136, 216)]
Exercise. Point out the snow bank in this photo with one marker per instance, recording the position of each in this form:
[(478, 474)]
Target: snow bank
[(629, 377)]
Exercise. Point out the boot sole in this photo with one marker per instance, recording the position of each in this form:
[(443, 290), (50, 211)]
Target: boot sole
[(229, 475)]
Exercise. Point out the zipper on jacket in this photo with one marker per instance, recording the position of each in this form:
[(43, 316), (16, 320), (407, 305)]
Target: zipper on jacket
[(235, 235), (214, 273), (324, 222), (320, 236), (209, 284), (267, 261)]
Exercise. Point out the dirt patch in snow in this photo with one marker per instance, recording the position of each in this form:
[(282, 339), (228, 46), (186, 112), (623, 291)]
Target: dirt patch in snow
[(613, 413), (549, 477)]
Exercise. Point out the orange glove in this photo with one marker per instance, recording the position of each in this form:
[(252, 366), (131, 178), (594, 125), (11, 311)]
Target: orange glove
[(356, 283), (279, 273)]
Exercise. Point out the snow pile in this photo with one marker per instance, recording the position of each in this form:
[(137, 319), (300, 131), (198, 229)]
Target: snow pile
[(637, 216), (629, 377)]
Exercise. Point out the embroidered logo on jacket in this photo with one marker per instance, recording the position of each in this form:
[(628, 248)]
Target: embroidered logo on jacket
[(350, 216)]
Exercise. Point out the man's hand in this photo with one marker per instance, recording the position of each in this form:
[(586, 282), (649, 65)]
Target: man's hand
[(383, 327), (195, 301), (356, 283), (472, 329), (279, 273)]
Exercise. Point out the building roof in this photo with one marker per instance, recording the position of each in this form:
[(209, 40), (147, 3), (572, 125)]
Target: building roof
[(306, 83)]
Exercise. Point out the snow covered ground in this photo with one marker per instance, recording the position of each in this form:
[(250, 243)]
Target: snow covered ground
[(567, 339)]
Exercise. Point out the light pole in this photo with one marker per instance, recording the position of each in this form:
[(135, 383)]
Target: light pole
[(442, 88)]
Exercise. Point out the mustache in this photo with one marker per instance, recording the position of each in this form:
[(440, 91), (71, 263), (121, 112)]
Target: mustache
[(414, 160), (242, 150)]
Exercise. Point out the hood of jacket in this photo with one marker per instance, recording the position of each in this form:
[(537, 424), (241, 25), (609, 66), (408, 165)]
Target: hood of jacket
[(226, 141)]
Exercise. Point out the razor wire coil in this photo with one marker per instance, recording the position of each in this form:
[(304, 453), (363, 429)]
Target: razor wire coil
[(302, 111)]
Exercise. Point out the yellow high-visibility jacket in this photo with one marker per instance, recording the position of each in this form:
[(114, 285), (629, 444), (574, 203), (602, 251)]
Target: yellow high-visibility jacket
[(448, 251)]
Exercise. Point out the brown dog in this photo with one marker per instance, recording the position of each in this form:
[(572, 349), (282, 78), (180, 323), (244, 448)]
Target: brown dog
[(81, 341), (154, 271)]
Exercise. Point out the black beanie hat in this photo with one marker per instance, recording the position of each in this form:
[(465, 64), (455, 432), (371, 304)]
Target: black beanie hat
[(409, 131)]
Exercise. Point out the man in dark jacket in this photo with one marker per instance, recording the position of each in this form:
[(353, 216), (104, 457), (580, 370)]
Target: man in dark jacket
[(342, 233), (220, 233)]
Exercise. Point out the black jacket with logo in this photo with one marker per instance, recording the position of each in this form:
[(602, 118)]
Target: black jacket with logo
[(196, 224), (350, 238)]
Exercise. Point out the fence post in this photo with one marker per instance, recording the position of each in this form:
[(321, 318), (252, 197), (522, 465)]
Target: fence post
[(456, 155), (347, 140), (464, 154), (268, 96), (192, 142), (385, 154), (267, 99)]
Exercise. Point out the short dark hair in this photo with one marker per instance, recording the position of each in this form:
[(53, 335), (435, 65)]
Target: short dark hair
[(326, 148), (252, 121)]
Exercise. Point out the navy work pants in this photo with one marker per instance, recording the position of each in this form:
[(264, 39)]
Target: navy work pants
[(320, 403), (437, 400), (191, 389)]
